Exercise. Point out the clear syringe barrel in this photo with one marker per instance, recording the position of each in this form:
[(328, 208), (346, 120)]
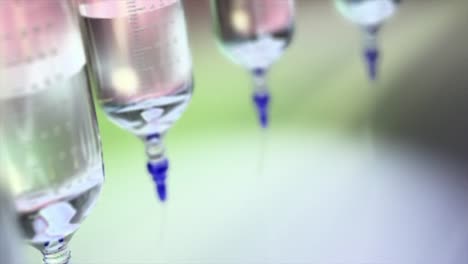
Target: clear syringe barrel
[(369, 15), (138, 48), (241, 18), (254, 33), (35, 37), (48, 127)]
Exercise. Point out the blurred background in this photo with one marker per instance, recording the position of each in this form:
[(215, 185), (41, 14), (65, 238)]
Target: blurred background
[(348, 172)]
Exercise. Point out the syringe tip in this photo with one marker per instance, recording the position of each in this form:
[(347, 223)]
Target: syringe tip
[(162, 192), (158, 171), (262, 101), (264, 120), (372, 58)]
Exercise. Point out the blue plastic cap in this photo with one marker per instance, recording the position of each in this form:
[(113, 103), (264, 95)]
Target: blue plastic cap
[(259, 71), (262, 101), (158, 171), (372, 59)]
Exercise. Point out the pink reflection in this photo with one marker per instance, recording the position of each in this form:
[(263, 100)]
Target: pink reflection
[(272, 15), (30, 30)]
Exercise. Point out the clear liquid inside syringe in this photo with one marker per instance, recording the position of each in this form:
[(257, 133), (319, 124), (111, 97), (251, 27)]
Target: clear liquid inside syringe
[(256, 33), (141, 61), (50, 150), (367, 13)]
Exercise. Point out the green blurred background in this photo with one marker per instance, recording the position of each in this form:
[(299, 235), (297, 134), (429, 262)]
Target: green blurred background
[(319, 91)]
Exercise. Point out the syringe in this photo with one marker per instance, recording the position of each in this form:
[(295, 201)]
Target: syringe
[(142, 67), (369, 15), (254, 34)]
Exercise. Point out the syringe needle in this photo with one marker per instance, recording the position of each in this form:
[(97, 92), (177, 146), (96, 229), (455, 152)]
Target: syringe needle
[(263, 139), (163, 218)]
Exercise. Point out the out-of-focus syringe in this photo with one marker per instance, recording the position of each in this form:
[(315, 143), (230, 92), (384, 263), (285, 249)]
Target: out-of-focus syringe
[(254, 34), (369, 15)]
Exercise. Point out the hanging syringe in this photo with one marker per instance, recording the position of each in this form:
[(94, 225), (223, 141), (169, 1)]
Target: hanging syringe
[(254, 34), (141, 61), (369, 15)]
